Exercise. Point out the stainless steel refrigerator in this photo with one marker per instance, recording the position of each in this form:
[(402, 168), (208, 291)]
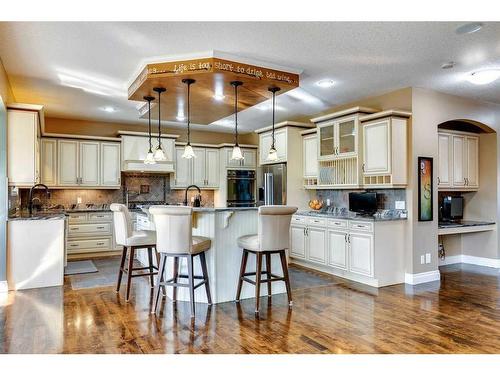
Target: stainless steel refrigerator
[(272, 184)]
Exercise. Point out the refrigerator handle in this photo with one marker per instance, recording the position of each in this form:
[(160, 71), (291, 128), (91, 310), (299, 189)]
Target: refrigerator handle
[(268, 189)]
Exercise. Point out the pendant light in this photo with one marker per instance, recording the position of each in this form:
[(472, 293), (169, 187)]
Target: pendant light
[(150, 157), (188, 150), (273, 155), (236, 155), (159, 155)]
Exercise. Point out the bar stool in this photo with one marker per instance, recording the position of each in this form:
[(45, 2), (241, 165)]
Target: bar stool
[(273, 238), (174, 238), (132, 240)]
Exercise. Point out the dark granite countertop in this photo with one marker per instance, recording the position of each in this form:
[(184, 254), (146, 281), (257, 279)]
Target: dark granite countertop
[(464, 223), (392, 215)]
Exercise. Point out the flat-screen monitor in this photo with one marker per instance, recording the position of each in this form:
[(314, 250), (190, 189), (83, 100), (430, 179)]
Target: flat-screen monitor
[(453, 208), (363, 203)]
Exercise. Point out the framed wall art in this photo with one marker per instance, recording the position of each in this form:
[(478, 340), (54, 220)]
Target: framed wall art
[(425, 188)]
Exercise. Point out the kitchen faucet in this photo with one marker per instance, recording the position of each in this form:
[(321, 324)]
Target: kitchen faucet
[(186, 193), (31, 198)]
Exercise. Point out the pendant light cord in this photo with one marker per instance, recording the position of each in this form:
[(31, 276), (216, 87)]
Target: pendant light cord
[(189, 113), (149, 125), (274, 101), (236, 115), (159, 120)]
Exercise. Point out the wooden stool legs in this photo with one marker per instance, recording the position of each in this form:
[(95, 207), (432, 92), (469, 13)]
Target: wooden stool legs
[(130, 269), (176, 276), (270, 277)]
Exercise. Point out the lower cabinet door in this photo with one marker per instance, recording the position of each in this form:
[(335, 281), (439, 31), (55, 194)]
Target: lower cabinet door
[(337, 249), (316, 244), (361, 253), (297, 241)]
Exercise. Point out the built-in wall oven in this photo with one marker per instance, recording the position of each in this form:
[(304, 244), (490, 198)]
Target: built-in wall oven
[(240, 188)]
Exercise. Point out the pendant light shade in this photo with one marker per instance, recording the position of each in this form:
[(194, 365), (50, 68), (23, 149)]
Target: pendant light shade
[(188, 150), (236, 154), (149, 157), (273, 154), (159, 155)]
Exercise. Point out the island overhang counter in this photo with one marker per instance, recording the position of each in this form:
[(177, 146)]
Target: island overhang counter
[(223, 226)]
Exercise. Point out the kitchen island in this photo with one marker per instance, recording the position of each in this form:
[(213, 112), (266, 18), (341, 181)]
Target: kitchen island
[(223, 226)]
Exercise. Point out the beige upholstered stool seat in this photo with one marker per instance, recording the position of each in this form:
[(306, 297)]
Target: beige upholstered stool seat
[(200, 244), (141, 238), (249, 242)]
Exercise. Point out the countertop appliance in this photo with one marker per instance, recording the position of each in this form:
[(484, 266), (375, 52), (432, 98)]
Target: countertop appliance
[(452, 208), (272, 184), (240, 188), (363, 203)]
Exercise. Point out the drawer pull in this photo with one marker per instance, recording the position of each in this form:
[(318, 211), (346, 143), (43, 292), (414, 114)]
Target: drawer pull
[(74, 228), (361, 226), (74, 245), (100, 227), (100, 243)]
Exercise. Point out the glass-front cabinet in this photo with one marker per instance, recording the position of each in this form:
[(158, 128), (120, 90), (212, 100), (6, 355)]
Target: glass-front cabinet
[(338, 138)]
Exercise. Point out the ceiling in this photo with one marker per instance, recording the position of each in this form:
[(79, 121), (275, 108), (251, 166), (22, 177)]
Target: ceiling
[(47, 62)]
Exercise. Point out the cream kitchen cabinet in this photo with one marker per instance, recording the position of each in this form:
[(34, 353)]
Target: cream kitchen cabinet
[(338, 138), (310, 156), (445, 160), (110, 164), (48, 169), (90, 232), (280, 143), (370, 252), (202, 170), (458, 161), (385, 151), (23, 147), (249, 158), (84, 163)]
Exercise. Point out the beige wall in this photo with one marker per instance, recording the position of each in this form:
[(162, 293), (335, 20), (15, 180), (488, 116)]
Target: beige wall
[(109, 129), (430, 108), (5, 89)]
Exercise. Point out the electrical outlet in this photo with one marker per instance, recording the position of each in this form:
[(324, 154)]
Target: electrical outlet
[(400, 205), (328, 202), (422, 259), (428, 258), (78, 200)]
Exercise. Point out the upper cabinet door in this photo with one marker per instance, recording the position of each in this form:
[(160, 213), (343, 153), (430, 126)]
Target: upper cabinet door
[(280, 142), (110, 164), (22, 138), (199, 166), (346, 137), (459, 160), (89, 163), (472, 157), (250, 158), (49, 162), (326, 140), (182, 169), (68, 162), (310, 156), (212, 168), (265, 141), (376, 148), (444, 160)]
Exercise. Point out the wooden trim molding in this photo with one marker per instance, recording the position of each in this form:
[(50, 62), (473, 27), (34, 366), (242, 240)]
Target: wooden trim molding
[(423, 277)]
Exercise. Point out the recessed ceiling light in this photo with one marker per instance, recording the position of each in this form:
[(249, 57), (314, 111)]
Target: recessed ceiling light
[(219, 97), (325, 83), (448, 65), (469, 28), (109, 109), (483, 77)]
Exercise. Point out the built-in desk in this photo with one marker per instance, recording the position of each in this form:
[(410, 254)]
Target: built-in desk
[(465, 226)]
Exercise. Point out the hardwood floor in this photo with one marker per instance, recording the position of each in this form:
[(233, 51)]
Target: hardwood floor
[(459, 315)]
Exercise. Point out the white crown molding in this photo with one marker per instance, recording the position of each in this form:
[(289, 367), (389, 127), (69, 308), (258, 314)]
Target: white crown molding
[(469, 259), (283, 124), (423, 277), (4, 287)]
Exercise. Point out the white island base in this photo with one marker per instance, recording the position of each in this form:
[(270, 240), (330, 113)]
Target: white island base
[(223, 227)]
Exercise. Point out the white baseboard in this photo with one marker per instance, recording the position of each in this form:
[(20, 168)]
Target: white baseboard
[(4, 288), (423, 277), (469, 259)]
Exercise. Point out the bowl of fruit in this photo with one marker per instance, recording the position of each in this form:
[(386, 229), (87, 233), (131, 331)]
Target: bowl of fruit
[(316, 204)]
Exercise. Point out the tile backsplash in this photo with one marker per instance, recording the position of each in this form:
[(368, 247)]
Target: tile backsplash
[(386, 198), (141, 187)]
